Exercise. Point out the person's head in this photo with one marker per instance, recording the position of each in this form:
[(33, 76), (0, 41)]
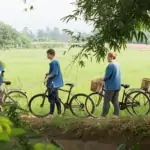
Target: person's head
[(111, 56), (50, 54)]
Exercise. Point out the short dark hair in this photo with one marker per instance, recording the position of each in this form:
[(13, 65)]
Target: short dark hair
[(51, 52)]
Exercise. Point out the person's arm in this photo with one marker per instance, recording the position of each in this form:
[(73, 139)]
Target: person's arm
[(54, 71), (108, 73), (4, 81)]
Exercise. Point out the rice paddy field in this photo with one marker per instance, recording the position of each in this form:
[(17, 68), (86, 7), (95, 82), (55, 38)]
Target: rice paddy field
[(26, 69)]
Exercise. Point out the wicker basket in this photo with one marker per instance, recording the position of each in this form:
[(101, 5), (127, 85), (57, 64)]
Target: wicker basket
[(145, 84), (97, 85)]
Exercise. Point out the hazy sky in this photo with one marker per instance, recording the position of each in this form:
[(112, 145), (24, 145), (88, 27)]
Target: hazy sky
[(46, 13)]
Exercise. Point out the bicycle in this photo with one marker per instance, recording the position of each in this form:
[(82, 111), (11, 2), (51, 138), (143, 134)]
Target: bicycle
[(14, 96), (128, 102), (69, 104)]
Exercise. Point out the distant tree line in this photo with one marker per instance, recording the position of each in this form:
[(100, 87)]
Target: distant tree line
[(47, 34), (42, 38), (10, 38)]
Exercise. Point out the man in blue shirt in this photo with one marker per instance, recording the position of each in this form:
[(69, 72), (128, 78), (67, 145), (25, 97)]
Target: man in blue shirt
[(112, 85), (53, 81)]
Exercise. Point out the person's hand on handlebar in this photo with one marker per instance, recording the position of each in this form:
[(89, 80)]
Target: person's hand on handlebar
[(46, 78)]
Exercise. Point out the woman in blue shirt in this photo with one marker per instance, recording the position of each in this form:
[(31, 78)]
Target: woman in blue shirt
[(112, 85)]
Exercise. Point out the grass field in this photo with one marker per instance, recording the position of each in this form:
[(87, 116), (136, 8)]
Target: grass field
[(26, 69)]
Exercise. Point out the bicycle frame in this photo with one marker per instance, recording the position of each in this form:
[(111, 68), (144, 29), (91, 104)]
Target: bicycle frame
[(45, 94), (125, 93), (69, 94), (6, 91)]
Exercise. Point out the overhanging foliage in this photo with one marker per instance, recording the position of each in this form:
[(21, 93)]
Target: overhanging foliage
[(115, 22)]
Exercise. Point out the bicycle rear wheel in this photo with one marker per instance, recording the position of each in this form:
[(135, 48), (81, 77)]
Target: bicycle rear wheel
[(18, 97), (96, 99), (39, 105), (77, 105)]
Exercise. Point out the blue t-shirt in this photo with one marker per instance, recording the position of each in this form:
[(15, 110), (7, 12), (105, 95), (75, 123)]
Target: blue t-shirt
[(57, 80), (112, 77), (1, 77)]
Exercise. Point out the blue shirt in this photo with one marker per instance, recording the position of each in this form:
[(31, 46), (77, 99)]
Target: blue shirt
[(57, 80), (1, 77), (112, 77)]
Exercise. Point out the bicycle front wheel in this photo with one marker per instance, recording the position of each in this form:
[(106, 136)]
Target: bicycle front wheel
[(96, 99), (77, 105), (39, 105), (140, 103), (18, 97)]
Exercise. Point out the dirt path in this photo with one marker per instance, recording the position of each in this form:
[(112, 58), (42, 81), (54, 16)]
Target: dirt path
[(92, 134)]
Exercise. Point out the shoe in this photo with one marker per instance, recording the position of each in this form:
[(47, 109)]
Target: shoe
[(101, 118), (115, 117), (50, 116), (90, 117)]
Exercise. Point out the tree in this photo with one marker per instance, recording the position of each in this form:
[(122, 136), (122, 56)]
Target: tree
[(10, 38), (114, 23), (27, 32)]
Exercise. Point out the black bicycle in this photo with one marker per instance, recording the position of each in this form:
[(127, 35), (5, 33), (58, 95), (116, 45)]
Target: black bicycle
[(39, 105), (130, 102)]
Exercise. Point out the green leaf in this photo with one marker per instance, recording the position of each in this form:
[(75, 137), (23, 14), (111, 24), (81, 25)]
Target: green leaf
[(39, 146), (136, 147), (17, 131), (4, 137), (31, 7), (6, 145)]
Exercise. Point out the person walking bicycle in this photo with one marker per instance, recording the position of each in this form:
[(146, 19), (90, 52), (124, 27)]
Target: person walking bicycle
[(53, 82)]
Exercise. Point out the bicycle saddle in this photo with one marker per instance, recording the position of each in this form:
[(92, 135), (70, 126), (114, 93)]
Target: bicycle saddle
[(70, 84), (125, 85)]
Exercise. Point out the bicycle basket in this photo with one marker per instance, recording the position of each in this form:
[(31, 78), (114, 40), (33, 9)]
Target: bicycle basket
[(96, 85), (145, 84)]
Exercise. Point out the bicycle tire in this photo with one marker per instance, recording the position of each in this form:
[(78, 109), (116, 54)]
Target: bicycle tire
[(25, 102), (136, 92), (34, 99), (147, 103), (81, 105), (100, 95), (96, 103)]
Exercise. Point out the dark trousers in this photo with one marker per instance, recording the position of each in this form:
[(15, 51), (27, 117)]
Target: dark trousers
[(113, 97), (54, 99)]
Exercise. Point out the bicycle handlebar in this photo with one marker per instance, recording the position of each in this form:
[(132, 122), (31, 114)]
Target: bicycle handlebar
[(7, 82)]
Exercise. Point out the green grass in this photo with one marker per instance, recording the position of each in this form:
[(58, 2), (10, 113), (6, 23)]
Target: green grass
[(30, 66)]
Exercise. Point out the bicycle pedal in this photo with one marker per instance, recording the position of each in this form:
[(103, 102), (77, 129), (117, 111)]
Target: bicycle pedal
[(122, 106)]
